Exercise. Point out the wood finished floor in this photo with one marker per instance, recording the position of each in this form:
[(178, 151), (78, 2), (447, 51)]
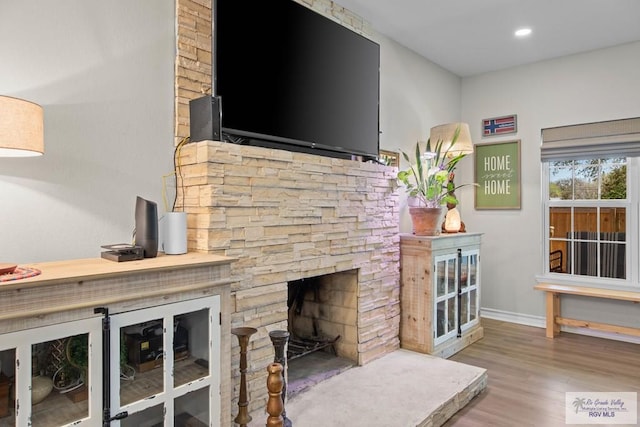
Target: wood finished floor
[(528, 374)]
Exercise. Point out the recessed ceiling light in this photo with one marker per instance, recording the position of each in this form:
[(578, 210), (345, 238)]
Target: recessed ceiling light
[(523, 32)]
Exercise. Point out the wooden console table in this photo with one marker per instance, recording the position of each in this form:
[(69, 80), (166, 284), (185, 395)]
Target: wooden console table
[(554, 320), (74, 298)]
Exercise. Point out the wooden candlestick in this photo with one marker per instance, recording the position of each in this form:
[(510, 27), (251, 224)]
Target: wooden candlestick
[(274, 404), (279, 340), (243, 335)]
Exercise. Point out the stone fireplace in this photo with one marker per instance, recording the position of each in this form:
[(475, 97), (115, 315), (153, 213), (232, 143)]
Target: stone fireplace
[(289, 216), (285, 216)]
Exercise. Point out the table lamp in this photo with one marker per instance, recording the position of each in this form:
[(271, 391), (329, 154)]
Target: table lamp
[(461, 146), (21, 135), (445, 133)]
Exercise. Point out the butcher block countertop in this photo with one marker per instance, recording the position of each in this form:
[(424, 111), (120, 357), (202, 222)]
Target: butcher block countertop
[(96, 268), (83, 284)]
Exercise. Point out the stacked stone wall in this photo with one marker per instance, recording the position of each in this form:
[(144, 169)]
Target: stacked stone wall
[(287, 216)]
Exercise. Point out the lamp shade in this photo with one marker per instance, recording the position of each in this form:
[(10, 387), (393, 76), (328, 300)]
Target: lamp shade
[(21, 128), (445, 133)]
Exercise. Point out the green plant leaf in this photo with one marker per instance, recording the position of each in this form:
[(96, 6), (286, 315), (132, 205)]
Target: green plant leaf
[(431, 188)]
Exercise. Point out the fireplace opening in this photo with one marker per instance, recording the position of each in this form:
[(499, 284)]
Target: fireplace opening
[(323, 328), (306, 335)]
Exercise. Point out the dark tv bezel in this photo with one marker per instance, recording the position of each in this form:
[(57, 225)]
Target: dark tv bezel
[(272, 141), (269, 141)]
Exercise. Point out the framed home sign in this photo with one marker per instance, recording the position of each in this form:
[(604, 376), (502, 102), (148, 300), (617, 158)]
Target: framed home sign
[(497, 173)]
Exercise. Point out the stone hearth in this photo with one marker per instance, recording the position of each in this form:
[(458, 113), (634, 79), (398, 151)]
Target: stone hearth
[(287, 216), (400, 389)]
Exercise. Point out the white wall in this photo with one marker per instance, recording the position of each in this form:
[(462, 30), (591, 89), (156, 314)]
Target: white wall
[(415, 94), (103, 72), (595, 86)]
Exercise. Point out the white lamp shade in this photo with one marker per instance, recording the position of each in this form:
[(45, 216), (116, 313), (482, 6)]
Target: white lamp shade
[(21, 128), (445, 133)]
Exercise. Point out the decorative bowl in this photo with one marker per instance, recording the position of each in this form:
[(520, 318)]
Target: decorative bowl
[(7, 268), (40, 388)]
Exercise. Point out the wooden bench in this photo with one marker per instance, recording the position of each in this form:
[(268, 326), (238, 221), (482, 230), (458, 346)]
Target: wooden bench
[(554, 320)]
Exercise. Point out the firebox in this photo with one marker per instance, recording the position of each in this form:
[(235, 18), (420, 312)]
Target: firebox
[(323, 315)]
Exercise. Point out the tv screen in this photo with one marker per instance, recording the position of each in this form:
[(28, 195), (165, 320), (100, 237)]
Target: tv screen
[(291, 78)]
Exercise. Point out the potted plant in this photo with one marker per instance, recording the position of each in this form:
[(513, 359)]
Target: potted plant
[(429, 181)]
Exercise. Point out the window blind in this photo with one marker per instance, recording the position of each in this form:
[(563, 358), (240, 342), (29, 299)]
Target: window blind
[(614, 138)]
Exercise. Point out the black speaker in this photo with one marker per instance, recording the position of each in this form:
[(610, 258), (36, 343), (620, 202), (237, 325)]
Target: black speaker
[(147, 227), (205, 118)]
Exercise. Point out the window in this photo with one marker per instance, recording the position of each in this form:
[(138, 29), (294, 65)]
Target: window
[(587, 209), (590, 195)]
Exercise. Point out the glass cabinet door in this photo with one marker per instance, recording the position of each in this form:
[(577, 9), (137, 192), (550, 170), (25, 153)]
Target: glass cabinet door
[(469, 273), (165, 364), (446, 294), (453, 293), (55, 373), (7, 377)]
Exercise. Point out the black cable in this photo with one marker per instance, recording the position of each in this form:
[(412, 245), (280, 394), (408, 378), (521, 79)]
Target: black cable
[(178, 171), (175, 167)]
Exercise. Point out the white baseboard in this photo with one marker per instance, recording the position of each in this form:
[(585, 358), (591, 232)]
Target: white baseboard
[(507, 316), (540, 322)]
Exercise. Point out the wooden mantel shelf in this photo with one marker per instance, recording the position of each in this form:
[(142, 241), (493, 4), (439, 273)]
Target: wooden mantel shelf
[(96, 268), (81, 285)]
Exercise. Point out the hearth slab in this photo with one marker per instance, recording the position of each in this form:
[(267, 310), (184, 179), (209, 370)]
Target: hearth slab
[(402, 388), (307, 371)]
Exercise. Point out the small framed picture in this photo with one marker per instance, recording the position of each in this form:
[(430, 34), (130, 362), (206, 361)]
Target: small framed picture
[(390, 158), (503, 125)]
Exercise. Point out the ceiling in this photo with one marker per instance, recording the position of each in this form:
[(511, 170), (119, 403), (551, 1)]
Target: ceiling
[(470, 37)]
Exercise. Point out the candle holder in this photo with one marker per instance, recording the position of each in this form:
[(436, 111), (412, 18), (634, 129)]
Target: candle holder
[(275, 406), (243, 334), (279, 340)]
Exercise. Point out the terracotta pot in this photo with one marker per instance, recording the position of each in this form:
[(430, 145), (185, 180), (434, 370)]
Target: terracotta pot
[(426, 221)]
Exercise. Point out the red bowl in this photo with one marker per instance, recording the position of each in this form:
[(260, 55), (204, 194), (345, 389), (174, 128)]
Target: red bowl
[(7, 268)]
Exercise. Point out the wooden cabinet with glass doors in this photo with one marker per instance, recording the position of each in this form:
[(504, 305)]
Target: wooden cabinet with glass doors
[(91, 342), (57, 369), (440, 292)]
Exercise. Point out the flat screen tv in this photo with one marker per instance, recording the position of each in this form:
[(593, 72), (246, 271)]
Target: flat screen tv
[(291, 78)]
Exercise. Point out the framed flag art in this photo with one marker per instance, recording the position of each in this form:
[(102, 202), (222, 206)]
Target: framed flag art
[(503, 125)]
